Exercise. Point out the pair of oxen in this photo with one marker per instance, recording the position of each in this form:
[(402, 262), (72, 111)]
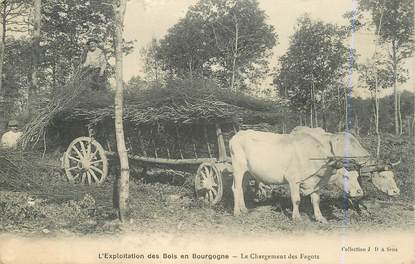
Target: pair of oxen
[(306, 159)]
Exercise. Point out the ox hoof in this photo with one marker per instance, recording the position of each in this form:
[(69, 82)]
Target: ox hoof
[(297, 218), (240, 211), (322, 220)]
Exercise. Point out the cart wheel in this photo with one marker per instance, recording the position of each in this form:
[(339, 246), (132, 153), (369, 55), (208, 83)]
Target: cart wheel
[(208, 183), (85, 161)]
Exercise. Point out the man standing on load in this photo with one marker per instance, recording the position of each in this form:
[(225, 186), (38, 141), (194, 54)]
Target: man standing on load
[(95, 63)]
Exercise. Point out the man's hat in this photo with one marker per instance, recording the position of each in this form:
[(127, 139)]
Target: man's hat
[(91, 40), (13, 123)]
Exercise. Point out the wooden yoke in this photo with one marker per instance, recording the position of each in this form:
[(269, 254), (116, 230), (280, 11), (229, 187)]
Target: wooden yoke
[(221, 145)]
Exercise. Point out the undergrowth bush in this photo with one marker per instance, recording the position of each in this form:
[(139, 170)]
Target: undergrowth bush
[(16, 208), (72, 212), (394, 148)]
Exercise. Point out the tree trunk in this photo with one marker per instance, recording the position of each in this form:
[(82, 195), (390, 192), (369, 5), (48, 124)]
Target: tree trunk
[(191, 71), (35, 51), (395, 89), (346, 110), (377, 117), (311, 117), (2, 93), (123, 179), (323, 107), (3, 102), (54, 76), (314, 105), (2, 46), (235, 54), (413, 121), (400, 115), (356, 124)]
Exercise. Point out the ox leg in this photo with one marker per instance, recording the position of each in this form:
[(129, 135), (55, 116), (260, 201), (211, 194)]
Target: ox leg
[(239, 165), (315, 200), (238, 195), (295, 199)]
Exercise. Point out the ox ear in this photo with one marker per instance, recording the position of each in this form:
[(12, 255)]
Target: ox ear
[(332, 178)]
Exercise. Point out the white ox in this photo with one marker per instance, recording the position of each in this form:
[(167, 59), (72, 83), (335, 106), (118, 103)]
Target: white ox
[(344, 144), (297, 159)]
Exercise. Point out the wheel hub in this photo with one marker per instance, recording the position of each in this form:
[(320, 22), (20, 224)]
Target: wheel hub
[(207, 183), (85, 164)]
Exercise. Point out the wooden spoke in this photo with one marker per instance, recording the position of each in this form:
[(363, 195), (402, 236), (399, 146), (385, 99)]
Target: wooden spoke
[(83, 178), (208, 183), (88, 148), (77, 151), (214, 192), (207, 172), (97, 170), (89, 177), (83, 150), (94, 175), (72, 168), (96, 161), (76, 176), (94, 155), (75, 159)]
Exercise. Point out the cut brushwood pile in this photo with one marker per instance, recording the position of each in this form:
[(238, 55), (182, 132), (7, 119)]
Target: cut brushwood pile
[(40, 176), (178, 104), (181, 103), (47, 110)]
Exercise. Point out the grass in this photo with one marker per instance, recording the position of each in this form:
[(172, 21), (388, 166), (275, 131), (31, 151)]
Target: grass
[(172, 207), (159, 207)]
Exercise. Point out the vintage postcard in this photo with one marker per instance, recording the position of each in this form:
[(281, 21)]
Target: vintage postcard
[(207, 131)]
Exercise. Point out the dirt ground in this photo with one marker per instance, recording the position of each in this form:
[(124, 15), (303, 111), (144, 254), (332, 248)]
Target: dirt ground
[(164, 207)]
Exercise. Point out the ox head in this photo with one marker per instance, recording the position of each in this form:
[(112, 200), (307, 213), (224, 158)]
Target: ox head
[(347, 181), (384, 179)]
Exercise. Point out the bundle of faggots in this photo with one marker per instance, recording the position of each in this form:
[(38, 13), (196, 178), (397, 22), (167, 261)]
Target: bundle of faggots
[(19, 171), (177, 104)]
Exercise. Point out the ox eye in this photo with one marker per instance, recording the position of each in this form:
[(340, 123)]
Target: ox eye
[(346, 177)]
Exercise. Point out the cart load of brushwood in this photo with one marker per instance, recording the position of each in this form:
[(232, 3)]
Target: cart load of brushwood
[(175, 122), (178, 121)]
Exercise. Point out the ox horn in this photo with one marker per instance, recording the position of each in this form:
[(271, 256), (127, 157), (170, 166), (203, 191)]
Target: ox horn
[(393, 164)]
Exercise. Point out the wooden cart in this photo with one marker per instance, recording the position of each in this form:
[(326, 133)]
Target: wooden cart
[(87, 162)]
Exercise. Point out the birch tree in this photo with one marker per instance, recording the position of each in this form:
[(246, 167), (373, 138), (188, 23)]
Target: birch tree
[(12, 19), (37, 17), (226, 40), (123, 179), (393, 21), (312, 71)]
